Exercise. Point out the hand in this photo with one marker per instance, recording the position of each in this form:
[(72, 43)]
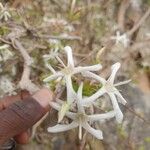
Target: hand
[(19, 113)]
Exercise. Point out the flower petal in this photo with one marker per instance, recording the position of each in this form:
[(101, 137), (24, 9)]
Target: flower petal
[(80, 131), (52, 77), (79, 99), (57, 107), (98, 117), (68, 50), (97, 133), (61, 128), (119, 115), (70, 91), (114, 69), (50, 68), (88, 68), (61, 62), (94, 97), (122, 83), (94, 76), (121, 99), (62, 112)]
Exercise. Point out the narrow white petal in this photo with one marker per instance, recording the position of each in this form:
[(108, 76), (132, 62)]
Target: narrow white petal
[(70, 90), (64, 109), (88, 68), (119, 115), (79, 93), (57, 107), (122, 83), (94, 97), (121, 99), (114, 69), (50, 68), (52, 77), (79, 99), (96, 133), (80, 132), (94, 76), (61, 128), (61, 61), (98, 117), (68, 50)]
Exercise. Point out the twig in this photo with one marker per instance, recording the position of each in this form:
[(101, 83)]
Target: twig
[(121, 14), (138, 24), (140, 117), (139, 45), (60, 37), (25, 82)]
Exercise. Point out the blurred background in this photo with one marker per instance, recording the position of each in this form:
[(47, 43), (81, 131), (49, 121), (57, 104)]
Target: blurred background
[(99, 31)]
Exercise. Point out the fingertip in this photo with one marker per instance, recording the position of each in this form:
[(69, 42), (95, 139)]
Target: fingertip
[(22, 138)]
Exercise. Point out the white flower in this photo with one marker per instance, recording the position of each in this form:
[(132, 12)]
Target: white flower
[(52, 54), (80, 118), (123, 39), (4, 13), (108, 87), (68, 71)]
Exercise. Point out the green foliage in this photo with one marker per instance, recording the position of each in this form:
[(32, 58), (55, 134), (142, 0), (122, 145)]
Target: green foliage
[(4, 30), (147, 2), (121, 132), (147, 139), (141, 147), (74, 16), (88, 89)]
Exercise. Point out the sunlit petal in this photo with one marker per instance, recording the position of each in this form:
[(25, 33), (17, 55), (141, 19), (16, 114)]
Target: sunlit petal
[(61, 128), (68, 50), (119, 115), (98, 117), (114, 69), (96, 133)]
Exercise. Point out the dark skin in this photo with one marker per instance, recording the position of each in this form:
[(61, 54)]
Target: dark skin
[(18, 114)]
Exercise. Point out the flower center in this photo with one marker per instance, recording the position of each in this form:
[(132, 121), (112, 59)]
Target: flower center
[(81, 117), (109, 87), (68, 70)]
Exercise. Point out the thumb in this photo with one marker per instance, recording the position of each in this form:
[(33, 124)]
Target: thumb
[(21, 115)]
